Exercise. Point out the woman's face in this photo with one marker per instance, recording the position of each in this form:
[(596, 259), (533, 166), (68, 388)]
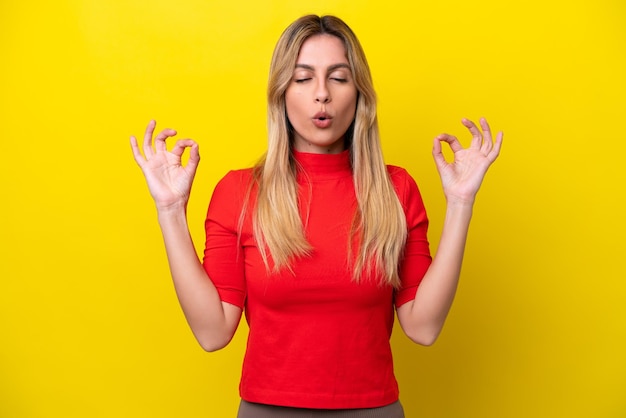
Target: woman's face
[(321, 98)]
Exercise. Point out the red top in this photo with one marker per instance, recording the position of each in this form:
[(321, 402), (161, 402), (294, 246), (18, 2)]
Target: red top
[(317, 338)]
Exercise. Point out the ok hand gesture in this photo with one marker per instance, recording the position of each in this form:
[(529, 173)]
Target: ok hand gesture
[(462, 177), (168, 180)]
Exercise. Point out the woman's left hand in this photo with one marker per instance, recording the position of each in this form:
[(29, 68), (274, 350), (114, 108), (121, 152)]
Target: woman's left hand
[(462, 177)]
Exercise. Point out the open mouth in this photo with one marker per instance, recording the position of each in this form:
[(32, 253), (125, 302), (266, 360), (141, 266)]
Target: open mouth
[(322, 121)]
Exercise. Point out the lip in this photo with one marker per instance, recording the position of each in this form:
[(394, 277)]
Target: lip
[(322, 120)]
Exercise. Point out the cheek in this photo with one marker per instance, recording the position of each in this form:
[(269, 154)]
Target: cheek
[(349, 105), (292, 104)]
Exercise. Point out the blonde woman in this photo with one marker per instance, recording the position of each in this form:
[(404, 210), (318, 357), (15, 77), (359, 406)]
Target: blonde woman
[(320, 241)]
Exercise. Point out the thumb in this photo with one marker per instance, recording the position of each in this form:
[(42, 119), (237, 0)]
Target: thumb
[(438, 156), (194, 156)]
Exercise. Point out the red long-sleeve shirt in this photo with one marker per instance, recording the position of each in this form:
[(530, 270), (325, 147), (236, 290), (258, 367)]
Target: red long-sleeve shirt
[(317, 338)]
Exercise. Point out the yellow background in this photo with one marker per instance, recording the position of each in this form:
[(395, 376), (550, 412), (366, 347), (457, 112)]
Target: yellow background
[(89, 323)]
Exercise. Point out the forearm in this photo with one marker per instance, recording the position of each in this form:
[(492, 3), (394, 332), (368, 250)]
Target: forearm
[(206, 314), (425, 316)]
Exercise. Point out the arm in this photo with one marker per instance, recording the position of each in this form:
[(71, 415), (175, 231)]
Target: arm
[(422, 319), (212, 321)]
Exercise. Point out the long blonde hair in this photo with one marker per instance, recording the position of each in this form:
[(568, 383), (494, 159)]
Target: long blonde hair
[(379, 222)]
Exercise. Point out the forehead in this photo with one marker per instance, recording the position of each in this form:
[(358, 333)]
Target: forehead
[(322, 51)]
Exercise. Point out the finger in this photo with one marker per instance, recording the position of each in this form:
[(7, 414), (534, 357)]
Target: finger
[(194, 157), (477, 137), (181, 144), (139, 159), (194, 153), (147, 139), (451, 140), (484, 125), (159, 140), (440, 160), (495, 152), (487, 144)]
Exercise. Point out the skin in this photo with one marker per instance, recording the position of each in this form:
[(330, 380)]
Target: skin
[(322, 82), (315, 87), (212, 321), (423, 318)]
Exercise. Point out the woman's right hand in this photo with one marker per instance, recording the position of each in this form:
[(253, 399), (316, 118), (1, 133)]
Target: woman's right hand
[(168, 180)]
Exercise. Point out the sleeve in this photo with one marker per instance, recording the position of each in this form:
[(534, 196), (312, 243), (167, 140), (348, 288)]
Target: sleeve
[(416, 258), (223, 257)]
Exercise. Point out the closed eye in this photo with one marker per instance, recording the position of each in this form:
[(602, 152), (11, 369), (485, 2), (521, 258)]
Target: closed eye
[(301, 80)]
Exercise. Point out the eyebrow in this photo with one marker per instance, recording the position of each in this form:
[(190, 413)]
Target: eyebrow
[(330, 68)]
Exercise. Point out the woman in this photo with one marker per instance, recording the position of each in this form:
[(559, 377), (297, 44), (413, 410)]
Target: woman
[(320, 241)]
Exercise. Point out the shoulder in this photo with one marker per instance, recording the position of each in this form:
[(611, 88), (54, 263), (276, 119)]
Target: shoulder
[(406, 188), (233, 189), (397, 173), (401, 180), (241, 176), (235, 182)]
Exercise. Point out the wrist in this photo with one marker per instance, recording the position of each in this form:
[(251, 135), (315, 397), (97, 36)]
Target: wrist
[(172, 209), (461, 201), (459, 210)]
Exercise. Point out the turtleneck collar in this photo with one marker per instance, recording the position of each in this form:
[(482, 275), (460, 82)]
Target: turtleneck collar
[(323, 166)]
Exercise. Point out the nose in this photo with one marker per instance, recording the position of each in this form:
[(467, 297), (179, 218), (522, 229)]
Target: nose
[(322, 95), (322, 98)]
